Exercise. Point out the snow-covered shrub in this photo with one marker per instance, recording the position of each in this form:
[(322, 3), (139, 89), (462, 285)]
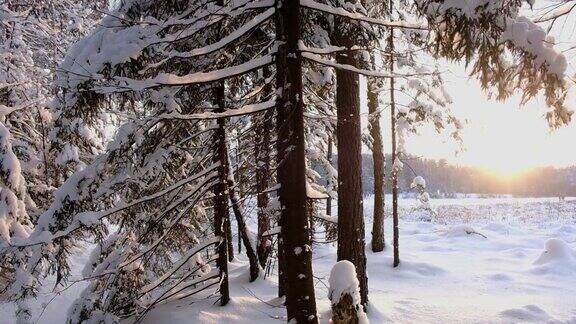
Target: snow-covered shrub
[(425, 211), (344, 294)]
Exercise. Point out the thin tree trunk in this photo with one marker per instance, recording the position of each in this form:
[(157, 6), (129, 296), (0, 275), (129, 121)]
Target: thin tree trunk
[(221, 216), (239, 242), (300, 295), (394, 153), (329, 158), (229, 241), (378, 160), (350, 214), (243, 229), (331, 228)]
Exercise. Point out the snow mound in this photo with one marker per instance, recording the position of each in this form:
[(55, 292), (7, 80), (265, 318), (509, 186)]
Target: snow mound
[(463, 231), (528, 313), (557, 251)]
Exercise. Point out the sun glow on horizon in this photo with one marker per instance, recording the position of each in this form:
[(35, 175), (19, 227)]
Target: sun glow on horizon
[(504, 138)]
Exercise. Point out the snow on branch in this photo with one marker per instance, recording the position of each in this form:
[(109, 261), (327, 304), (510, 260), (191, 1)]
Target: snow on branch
[(202, 188), (244, 110), (168, 79), (327, 218), (311, 4), (273, 231), (235, 35), (86, 219), (563, 10), (200, 247), (314, 191), (369, 73), (528, 36)]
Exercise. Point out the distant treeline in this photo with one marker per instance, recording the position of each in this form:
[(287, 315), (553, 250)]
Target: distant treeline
[(444, 179)]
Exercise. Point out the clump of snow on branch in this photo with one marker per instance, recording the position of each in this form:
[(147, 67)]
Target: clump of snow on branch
[(14, 220), (530, 37)]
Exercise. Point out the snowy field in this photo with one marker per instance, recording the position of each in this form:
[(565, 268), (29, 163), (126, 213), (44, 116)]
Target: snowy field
[(499, 260)]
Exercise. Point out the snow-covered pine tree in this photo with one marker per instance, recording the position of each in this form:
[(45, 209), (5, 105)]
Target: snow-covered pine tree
[(145, 65), (33, 38)]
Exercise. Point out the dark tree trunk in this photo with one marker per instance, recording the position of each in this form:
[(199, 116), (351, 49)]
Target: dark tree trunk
[(221, 216), (263, 174), (239, 242), (229, 241), (378, 160), (243, 229), (223, 151), (350, 215), (394, 155), (300, 295)]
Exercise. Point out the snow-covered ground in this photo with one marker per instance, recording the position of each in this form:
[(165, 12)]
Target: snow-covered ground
[(517, 265)]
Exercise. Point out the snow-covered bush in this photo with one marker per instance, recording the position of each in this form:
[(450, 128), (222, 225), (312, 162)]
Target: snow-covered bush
[(344, 294), (419, 184)]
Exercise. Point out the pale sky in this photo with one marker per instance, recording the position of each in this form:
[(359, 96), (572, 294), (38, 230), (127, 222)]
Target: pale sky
[(501, 136)]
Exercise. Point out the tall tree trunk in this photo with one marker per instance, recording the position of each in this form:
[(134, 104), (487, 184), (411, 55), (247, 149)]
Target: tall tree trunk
[(350, 214), (378, 160), (221, 216), (223, 152), (243, 229), (262, 152), (394, 153), (300, 295)]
